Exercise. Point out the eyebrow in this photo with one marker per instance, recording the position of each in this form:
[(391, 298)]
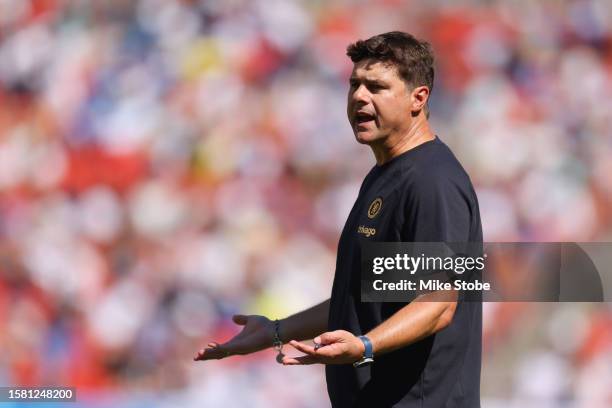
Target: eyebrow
[(368, 81)]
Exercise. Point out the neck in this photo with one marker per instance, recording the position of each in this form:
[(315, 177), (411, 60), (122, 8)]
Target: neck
[(393, 146)]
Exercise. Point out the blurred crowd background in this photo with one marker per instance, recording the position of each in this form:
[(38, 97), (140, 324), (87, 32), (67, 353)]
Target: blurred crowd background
[(165, 164)]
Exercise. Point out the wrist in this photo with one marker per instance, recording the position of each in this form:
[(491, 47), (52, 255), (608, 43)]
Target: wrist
[(367, 356), (373, 343), (362, 347), (277, 340)]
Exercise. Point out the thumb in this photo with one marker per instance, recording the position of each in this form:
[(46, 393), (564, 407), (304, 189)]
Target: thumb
[(327, 338), (240, 319)]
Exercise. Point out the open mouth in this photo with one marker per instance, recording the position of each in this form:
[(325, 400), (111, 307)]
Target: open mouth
[(363, 119)]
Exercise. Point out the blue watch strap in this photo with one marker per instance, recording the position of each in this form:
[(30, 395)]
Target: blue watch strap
[(368, 354), (368, 347)]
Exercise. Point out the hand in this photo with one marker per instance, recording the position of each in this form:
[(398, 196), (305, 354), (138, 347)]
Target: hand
[(258, 334), (337, 347)]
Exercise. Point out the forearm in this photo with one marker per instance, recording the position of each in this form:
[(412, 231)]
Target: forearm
[(421, 318), (306, 324)]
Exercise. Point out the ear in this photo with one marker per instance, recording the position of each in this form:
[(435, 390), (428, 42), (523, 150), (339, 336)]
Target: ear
[(419, 98)]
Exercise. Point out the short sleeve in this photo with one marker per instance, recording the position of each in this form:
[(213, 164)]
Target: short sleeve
[(436, 209)]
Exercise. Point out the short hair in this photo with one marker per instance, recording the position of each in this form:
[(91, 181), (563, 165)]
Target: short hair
[(413, 58)]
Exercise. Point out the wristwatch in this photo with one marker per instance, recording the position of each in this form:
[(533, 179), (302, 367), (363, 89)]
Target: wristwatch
[(368, 355)]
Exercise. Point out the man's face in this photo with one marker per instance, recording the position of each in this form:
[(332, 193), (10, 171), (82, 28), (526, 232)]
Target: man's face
[(379, 102)]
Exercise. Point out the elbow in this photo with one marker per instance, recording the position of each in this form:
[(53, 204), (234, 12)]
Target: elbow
[(446, 318)]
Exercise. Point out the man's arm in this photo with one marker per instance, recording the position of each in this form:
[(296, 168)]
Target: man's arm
[(305, 325), (426, 315), (258, 332)]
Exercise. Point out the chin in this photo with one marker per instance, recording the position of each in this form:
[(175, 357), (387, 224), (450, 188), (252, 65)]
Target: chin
[(364, 137)]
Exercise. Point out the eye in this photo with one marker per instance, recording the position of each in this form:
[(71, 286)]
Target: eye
[(354, 83)]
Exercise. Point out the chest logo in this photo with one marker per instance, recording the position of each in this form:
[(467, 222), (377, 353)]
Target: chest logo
[(367, 231), (375, 208)]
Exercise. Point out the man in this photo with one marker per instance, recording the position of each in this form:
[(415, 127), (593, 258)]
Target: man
[(425, 353)]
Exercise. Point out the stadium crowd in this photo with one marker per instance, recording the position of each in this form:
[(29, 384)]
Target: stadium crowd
[(165, 164)]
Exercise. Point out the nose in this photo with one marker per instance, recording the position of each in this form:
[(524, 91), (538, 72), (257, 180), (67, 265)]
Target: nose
[(361, 94)]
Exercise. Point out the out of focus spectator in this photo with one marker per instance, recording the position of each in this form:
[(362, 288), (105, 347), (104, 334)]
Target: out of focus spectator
[(166, 163)]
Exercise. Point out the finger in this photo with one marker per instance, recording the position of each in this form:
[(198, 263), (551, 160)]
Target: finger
[(329, 337), (302, 360), (216, 351), (324, 339), (304, 348), (200, 354), (211, 353), (240, 319), (332, 350), (236, 345)]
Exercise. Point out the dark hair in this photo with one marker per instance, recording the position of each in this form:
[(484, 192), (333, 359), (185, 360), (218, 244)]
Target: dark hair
[(413, 58)]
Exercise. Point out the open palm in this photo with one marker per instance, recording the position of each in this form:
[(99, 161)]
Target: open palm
[(257, 334)]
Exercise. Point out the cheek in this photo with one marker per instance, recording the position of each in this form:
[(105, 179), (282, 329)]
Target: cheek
[(349, 104), (389, 109), (398, 108)]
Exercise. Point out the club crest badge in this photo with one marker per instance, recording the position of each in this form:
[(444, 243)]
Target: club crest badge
[(375, 208)]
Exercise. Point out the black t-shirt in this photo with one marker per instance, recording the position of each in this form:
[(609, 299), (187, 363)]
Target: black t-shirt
[(423, 195)]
